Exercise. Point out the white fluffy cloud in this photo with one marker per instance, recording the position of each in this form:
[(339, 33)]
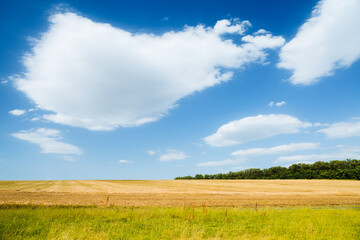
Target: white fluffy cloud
[(255, 128), (99, 77), (342, 130), (292, 147), (172, 154), (49, 141), (17, 112), (277, 104), (327, 41)]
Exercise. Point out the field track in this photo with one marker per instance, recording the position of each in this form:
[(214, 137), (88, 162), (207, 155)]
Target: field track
[(238, 193)]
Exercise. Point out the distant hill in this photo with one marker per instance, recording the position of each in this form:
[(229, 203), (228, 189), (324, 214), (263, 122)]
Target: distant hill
[(348, 169)]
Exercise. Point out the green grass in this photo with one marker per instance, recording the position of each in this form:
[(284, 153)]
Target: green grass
[(41, 222)]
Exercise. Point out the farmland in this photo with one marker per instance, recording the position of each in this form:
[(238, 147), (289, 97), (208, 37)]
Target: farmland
[(183, 209), (219, 193)]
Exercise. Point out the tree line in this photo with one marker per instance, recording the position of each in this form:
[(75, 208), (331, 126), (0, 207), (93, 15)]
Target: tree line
[(348, 169)]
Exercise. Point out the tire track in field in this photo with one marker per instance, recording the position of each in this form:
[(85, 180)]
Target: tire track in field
[(31, 186)]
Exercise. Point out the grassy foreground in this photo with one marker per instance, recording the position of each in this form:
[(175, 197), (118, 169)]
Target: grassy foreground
[(67, 222)]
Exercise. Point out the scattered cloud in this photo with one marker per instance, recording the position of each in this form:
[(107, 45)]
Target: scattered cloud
[(151, 152), (255, 128), (239, 168), (321, 124), (277, 104), (49, 141), (198, 144), (292, 147), (329, 40), (263, 41), (242, 156), (310, 158), (261, 31), (68, 158), (17, 112), (172, 154), (220, 163), (340, 153), (35, 119), (118, 78), (11, 78), (125, 161), (342, 130)]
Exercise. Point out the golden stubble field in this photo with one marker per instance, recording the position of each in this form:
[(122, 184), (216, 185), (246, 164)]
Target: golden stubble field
[(229, 193)]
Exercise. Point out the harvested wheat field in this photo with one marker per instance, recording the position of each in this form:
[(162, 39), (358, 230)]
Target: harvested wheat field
[(226, 193)]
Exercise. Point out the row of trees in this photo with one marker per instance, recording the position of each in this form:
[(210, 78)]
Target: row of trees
[(348, 169)]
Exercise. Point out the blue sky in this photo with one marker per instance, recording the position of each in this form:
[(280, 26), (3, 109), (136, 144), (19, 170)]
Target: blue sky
[(153, 90)]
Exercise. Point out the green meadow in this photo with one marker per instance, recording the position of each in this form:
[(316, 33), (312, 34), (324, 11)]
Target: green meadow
[(70, 222)]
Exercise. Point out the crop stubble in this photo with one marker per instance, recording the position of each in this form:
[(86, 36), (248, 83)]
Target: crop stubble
[(236, 193)]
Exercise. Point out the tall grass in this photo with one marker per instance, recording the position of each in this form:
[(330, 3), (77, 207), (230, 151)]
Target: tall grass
[(41, 222)]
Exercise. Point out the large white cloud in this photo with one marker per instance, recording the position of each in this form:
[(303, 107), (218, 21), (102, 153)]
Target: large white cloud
[(49, 141), (255, 128), (342, 130), (99, 77), (327, 41), (292, 147)]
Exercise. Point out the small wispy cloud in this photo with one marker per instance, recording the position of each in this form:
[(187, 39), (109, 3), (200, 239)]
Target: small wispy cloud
[(341, 152), (125, 161), (286, 148), (151, 152), (35, 119), (17, 112), (49, 141), (68, 158), (220, 163), (239, 168), (342, 130), (277, 104), (172, 154), (316, 157), (242, 156)]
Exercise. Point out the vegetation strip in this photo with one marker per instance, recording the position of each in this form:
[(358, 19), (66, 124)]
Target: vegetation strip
[(348, 169)]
